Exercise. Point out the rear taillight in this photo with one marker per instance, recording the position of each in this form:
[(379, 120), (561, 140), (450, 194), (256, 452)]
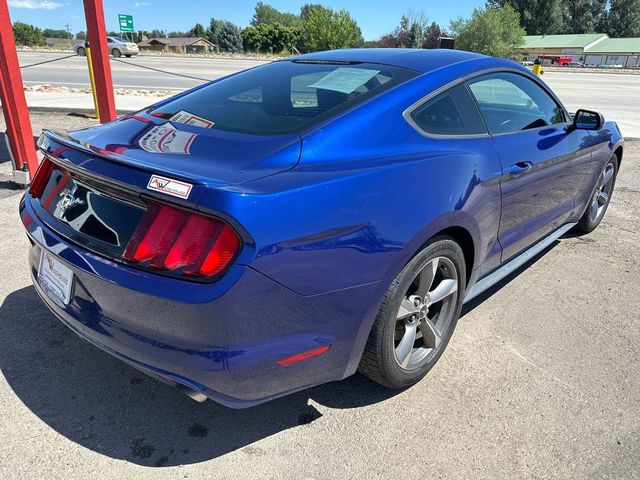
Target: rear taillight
[(40, 179), (181, 243)]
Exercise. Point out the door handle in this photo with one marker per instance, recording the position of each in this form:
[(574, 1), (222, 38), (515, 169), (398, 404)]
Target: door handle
[(519, 168)]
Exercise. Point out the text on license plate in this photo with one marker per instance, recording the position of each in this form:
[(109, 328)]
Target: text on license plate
[(55, 278)]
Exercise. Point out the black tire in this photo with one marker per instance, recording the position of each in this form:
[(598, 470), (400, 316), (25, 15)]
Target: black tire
[(116, 53), (379, 360), (589, 222), (128, 56), (81, 51)]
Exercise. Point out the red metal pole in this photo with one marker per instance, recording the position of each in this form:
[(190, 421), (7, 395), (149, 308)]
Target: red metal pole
[(14, 103), (97, 36), (11, 131)]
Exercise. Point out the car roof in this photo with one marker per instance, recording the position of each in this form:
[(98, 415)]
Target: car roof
[(421, 60)]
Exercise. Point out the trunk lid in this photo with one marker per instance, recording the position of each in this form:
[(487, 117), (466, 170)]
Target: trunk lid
[(195, 153)]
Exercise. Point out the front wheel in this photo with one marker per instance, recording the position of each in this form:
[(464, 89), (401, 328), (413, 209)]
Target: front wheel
[(81, 51), (599, 201), (116, 53), (417, 317)]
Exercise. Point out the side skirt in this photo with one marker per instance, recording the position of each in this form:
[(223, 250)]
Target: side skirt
[(512, 265)]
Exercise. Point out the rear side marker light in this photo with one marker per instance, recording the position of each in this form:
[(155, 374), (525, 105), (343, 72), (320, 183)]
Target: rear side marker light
[(298, 357), (182, 243), (41, 177)]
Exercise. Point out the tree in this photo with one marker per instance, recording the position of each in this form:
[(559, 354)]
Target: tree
[(81, 35), (624, 18), (230, 38), (51, 33), (266, 14), (409, 34), (270, 38), (306, 9), (155, 33), (491, 31), (198, 31), (431, 35), (213, 32), (537, 17), (583, 16), (28, 35), (226, 36), (326, 29), (177, 34)]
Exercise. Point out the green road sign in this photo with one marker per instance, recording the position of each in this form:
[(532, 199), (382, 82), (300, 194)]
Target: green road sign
[(125, 22)]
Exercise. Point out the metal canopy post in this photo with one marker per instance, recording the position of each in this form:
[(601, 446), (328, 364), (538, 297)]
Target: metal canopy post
[(14, 103), (97, 36)]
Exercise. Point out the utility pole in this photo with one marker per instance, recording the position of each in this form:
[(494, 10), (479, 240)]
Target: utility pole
[(68, 35)]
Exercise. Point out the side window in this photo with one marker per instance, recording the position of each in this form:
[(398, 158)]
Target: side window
[(511, 103), (451, 113)]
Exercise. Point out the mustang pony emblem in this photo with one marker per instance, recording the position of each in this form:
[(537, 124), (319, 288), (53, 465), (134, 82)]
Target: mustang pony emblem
[(67, 201)]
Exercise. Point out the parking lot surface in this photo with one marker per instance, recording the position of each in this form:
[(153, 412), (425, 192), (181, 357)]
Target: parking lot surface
[(540, 380)]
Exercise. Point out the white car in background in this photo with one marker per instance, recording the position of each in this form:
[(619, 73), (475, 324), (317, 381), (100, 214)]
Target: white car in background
[(117, 47)]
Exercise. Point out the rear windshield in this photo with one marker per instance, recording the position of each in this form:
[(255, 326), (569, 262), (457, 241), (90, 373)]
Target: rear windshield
[(282, 97)]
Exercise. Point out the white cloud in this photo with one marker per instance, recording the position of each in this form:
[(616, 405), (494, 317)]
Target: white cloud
[(141, 4), (35, 4)]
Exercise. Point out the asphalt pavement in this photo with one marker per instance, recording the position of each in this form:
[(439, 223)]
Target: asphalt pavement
[(540, 380), (130, 72)]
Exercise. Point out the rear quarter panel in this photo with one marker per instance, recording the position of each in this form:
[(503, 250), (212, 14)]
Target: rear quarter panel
[(368, 192)]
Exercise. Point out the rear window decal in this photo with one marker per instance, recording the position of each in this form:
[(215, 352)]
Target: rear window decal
[(190, 119), (169, 186), (167, 139)]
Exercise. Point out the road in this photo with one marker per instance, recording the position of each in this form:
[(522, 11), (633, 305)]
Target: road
[(72, 72), (617, 96), (540, 380)]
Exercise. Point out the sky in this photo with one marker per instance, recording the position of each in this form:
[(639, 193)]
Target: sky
[(375, 17)]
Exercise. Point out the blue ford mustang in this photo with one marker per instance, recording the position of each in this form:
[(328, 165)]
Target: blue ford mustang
[(299, 221)]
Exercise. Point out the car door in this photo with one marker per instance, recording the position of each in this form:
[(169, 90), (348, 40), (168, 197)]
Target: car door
[(543, 162), (451, 121)]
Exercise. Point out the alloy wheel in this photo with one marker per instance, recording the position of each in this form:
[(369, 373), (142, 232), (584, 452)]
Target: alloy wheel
[(602, 193), (425, 313)]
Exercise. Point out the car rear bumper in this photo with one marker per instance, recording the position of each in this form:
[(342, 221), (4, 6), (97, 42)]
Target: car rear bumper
[(128, 50), (221, 339)]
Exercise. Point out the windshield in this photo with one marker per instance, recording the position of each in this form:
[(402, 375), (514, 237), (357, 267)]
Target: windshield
[(283, 97)]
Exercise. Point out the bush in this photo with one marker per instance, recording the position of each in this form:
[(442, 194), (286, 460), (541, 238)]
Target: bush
[(28, 35)]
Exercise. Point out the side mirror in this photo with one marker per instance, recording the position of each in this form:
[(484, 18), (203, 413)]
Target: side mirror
[(587, 120)]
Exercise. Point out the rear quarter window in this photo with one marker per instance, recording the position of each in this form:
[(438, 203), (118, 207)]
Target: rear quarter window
[(452, 112)]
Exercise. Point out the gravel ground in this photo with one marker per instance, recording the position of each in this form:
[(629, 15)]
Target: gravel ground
[(540, 380)]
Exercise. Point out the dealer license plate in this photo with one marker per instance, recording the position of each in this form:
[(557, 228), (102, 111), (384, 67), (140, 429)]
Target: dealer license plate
[(54, 278)]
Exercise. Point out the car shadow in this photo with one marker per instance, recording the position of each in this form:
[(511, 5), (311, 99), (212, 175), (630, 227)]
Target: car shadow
[(106, 406)]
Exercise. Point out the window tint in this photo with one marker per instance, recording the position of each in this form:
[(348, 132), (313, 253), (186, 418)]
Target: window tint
[(285, 96), (511, 103), (451, 113)]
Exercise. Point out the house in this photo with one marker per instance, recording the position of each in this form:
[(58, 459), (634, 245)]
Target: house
[(590, 48), (573, 45), (177, 45), (614, 51)]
